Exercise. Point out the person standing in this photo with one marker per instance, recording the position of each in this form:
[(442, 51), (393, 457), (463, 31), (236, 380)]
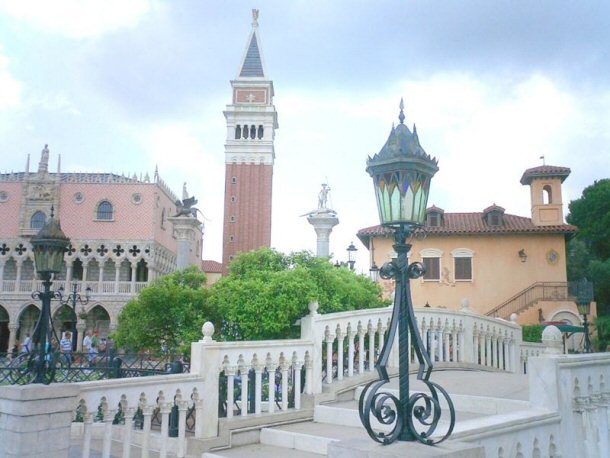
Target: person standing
[(27, 343), (65, 347)]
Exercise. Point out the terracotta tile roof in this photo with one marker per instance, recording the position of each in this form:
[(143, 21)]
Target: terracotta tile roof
[(207, 265), (545, 171), (474, 224)]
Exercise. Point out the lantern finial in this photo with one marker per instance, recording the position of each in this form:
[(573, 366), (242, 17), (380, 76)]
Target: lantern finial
[(401, 116)]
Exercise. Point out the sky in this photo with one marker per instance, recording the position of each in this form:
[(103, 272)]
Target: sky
[(126, 86)]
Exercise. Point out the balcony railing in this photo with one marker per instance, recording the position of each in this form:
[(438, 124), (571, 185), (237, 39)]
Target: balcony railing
[(97, 288)]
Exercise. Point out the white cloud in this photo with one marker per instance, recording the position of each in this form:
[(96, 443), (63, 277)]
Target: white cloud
[(78, 18), (10, 88)]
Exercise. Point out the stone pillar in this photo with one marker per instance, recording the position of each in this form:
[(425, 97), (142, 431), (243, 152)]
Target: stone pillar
[(323, 222), (187, 229), (80, 329), (36, 420), (12, 335), (2, 275)]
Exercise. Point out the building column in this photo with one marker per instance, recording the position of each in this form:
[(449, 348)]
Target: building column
[(80, 329), (18, 276), (323, 221), (134, 267), (117, 275), (12, 335), (2, 276), (68, 272), (186, 230), (85, 271)]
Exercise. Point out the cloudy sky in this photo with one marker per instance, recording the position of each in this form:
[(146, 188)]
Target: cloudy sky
[(125, 85)]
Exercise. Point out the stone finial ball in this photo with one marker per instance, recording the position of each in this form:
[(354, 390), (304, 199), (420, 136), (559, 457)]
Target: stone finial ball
[(552, 339), (207, 330), (513, 317), (313, 307)]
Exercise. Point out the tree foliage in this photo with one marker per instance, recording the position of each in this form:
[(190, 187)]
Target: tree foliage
[(591, 214), (170, 310), (589, 251), (266, 292)]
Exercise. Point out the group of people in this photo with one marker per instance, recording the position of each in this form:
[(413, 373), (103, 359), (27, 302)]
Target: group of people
[(91, 346)]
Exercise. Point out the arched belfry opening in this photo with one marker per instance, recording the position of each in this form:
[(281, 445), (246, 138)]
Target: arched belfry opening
[(547, 195)]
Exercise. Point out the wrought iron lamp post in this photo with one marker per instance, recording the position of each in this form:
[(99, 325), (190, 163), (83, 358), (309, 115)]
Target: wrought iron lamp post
[(71, 300), (351, 255), (584, 296), (401, 174), (49, 246)]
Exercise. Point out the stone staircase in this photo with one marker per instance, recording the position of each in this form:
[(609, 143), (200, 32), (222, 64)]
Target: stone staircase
[(339, 421)]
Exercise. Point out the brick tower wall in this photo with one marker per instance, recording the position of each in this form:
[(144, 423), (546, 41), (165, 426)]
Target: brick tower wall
[(247, 213)]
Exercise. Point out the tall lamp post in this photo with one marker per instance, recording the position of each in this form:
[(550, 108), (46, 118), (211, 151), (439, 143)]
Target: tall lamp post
[(351, 255), (584, 296), (401, 174), (49, 246), (71, 300)]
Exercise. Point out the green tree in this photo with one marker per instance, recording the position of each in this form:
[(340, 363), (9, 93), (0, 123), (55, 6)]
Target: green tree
[(266, 292), (591, 214), (170, 310), (589, 252)]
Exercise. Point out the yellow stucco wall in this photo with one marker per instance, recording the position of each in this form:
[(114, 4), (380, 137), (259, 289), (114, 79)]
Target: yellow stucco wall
[(498, 272)]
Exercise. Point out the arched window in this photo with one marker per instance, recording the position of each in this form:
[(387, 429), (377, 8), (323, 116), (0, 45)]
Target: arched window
[(547, 195), (104, 210), (252, 131), (38, 220), (260, 132), (163, 218), (237, 132)]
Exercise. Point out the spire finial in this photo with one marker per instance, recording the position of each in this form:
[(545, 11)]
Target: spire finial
[(401, 116), (254, 18)]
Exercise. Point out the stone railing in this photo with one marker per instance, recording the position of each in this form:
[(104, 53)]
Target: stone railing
[(259, 379)]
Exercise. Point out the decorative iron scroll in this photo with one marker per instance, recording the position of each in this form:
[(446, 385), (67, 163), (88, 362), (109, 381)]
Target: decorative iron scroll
[(408, 417)]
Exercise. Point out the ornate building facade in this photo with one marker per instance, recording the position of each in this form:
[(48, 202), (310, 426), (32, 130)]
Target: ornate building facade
[(249, 154), (124, 233)]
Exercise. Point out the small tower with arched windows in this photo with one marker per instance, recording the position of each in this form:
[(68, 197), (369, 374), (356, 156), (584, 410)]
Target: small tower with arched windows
[(545, 190)]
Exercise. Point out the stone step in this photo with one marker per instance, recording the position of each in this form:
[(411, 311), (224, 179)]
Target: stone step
[(260, 451)]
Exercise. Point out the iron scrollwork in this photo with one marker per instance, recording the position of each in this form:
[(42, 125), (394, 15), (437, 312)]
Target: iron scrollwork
[(404, 415)]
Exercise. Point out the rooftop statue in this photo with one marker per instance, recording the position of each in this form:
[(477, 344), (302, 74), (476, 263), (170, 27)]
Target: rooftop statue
[(43, 165)]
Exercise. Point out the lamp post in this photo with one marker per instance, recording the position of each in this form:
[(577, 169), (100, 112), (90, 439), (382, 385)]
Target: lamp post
[(49, 246), (71, 300), (401, 174), (351, 255), (374, 272), (584, 296)]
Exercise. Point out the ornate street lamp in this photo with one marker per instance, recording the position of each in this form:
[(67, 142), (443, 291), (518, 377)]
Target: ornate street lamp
[(351, 255), (401, 174), (584, 296), (49, 246)]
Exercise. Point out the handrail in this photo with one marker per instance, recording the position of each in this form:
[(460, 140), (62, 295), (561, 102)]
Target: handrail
[(529, 296)]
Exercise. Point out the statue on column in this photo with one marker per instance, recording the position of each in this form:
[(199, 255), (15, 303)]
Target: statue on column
[(185, 207), (322, 203), (43, 165), (323, 196)]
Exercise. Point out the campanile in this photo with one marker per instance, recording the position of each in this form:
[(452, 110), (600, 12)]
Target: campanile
[(249, 154)]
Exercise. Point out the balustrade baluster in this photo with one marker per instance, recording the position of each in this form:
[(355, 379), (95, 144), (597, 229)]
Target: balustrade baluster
[(296, 381), (340, 338), (230, 373), (271, 367), (182, 408), (128, 413), (361, 353), (285, 367), (350, 350), (87, 422), (147, 411), (165, 408), (258, 384), (328, 340), (371, 333)]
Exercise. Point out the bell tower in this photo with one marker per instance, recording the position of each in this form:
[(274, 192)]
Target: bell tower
[(545, 190), (249, 154)]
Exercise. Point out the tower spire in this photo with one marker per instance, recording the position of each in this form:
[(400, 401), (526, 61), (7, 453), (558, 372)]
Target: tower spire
[(252, 63)]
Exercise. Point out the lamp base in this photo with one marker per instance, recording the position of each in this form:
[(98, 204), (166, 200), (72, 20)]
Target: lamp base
[(365, 448)]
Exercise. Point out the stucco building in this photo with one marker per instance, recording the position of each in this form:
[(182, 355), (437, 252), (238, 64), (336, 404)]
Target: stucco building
[(494, 263), (124, 233)]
